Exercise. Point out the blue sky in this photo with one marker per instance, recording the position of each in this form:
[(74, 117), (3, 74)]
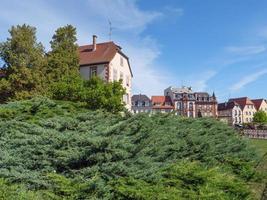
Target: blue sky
[(210, 45)]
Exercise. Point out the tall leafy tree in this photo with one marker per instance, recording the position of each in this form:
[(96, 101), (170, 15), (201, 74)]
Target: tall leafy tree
[(260, 117), (63, 60), (24, 61)]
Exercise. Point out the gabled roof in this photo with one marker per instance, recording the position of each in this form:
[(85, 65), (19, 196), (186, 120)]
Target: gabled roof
[(162, 100), (227, 105), (258, 102), (140, 97), (242, 101), (104, 53)]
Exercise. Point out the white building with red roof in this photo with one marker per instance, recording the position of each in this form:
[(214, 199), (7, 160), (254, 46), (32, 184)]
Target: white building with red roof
[(107, 61)]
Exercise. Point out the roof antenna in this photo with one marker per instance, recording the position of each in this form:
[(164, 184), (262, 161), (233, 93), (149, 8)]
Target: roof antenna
[(110, 29)]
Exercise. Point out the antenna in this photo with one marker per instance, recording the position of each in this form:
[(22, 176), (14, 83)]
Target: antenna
[(110, 29)]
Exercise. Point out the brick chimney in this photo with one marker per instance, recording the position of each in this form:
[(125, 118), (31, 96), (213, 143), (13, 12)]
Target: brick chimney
[(94, 42)]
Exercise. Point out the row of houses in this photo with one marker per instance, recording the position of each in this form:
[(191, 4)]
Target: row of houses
[(185, 102), (240, 110), (181, 101)]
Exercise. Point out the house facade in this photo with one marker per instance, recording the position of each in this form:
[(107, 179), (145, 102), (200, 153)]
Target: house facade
[(107, 61), (192, 104), (230, 113), (248, 108), (161, 104), (141, 103), (260, 104)]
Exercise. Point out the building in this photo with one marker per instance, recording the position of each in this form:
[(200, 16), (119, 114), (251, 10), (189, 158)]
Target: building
[(161, 104), (107, 61), (230, 112), (247, 106), (260, 104), (141, 103), (192, 104)]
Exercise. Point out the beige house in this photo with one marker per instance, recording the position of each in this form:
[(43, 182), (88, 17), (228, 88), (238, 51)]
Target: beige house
[(260, 104), (230, 113), (107, 61), (248, 108)]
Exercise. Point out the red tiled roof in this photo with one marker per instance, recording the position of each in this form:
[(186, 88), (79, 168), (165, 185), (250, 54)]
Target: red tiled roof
[(162, 100), (257, 103), (242, 101), (227, 105), (104, 53)]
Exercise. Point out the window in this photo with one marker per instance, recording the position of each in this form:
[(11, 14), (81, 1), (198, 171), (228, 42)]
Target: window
[(190, 105), (191, 114), (136, 103), (179, 105), (127, 81), (121, 61), (121, 76), (115, 75), (93, 71), (143, 103)]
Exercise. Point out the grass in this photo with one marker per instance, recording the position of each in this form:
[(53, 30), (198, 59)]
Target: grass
[(261, 146)]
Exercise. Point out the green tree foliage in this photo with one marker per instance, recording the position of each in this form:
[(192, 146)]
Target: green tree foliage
[(64, 150), (24, 59), (260, 117), (63, 60), (96, 93)]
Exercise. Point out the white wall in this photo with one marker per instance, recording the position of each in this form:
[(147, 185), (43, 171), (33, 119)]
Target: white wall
[(115, 64)]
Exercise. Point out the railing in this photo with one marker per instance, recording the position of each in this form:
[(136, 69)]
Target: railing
[(259, 134)]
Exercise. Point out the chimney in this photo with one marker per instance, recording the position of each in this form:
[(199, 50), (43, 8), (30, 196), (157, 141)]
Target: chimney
[(94, 42)]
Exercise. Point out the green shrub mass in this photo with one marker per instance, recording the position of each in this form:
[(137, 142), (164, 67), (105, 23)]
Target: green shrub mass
[(61, 150)]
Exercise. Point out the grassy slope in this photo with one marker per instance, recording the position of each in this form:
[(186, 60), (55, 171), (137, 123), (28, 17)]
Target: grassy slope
[(261, 147)]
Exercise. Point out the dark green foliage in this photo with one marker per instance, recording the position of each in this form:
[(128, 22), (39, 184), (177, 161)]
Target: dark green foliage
[(186, 180), (96, 93), (24, 60), (98, 154), (260, 117), (63, 60)]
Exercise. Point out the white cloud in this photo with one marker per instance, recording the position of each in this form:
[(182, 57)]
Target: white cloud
[(124, 14), (128, 21), (200, 82), (246, 50), (248, 79)]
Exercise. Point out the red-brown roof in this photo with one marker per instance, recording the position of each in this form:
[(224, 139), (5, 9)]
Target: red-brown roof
[(162, 100), (257, 103), (242, 101), (104, 53)]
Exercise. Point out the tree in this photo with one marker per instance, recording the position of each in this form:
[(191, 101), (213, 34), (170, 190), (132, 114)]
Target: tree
[(96, 93), (24, 61), (63, 60), (260, 117)]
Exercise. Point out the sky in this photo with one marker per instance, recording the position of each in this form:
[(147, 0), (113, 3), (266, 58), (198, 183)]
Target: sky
[(211, 45)]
